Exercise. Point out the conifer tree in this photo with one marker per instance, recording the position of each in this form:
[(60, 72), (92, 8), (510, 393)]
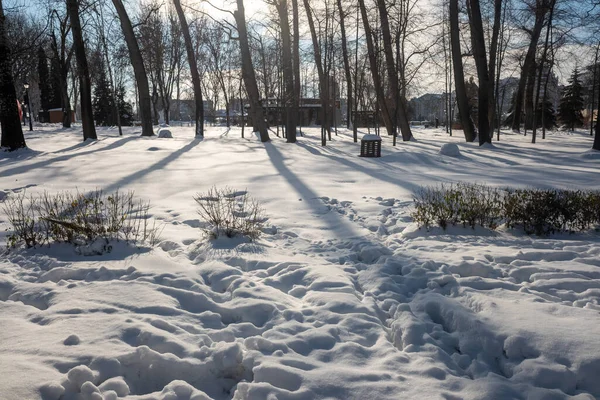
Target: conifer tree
[(545, 111), (102, 101), (571, 103), (44, 79), (125, 107)]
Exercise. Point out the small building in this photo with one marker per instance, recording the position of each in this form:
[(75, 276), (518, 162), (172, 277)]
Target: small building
[(55, 115), (309, 112)]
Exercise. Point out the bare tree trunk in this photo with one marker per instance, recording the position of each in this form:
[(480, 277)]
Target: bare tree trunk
[(595, 74), (396, 103), (12, 132), (354, 126), (296, 59), (596, 145), (115, 105), (539, 77), (323, 92), (189, 47), (492, 66), (347, 72), (258, 117), (141, 79), (459, 77), (87, 113), (478, 42), (289, 94), (540, 13), (387, 120)]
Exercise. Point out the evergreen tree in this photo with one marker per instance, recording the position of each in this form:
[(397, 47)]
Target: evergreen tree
[(44, 79), (102, 100), (571, 103), (548, 113), (54, 98), (125, 107)]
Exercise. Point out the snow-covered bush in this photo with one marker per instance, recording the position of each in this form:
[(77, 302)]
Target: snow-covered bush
[(230, 213), (536, 211), (78, 218), (548, 211), (458, 203)]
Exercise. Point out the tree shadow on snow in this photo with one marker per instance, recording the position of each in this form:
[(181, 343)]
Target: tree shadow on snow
[(67, 157), (154, 167)]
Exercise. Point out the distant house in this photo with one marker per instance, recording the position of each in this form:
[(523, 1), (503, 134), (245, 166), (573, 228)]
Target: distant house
[(185, 110), (55, 115), (309, 112)]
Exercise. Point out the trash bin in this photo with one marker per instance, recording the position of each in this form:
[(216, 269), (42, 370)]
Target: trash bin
[(370, 146)]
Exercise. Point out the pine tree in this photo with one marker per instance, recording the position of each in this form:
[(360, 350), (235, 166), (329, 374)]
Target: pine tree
[(102, 100), (571, 103), (55, 100), (125, 107), (548, 114), (44, 80)]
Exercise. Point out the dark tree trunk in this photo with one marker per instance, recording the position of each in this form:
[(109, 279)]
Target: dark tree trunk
[(492, 65), (459, 76), (62, 60), (596, 145), (387, 120), (539, 76), (258, 115), (478, 42), (347, 72), (296, 60), (396, 103), (323, 84), (595, 79), (189, 47), (529, 89), (12, 132), (137, 62), (540, 13), (289, 94), (87, 113)]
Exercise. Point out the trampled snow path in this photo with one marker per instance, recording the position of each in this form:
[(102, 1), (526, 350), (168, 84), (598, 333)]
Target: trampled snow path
[(341, 299)]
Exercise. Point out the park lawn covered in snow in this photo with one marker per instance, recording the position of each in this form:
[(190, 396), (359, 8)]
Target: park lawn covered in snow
[(342, 297)]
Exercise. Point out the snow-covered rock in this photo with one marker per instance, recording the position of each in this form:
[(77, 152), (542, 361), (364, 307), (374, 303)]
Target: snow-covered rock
[(450, 150), (165, 133)]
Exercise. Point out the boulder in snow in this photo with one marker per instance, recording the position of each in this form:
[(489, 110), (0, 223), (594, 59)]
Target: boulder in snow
[(450, 150), (165, 133)]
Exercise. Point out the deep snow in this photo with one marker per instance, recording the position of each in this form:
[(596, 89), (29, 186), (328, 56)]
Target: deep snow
[(341, 298)]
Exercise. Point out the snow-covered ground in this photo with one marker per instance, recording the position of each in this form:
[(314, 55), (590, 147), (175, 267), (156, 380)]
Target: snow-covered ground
[(341, 298)]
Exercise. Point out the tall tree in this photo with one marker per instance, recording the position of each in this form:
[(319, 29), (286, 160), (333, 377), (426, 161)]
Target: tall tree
[(139, 71), (258, 115), (459, 76), (377, 81), (596, 145), (396, 103), (479, 52), (44, 80), (323, 81), (289, 93), (12, 132), (61, 61), (85, 86), (346, 60), (189, 48), (296, 55), (539, 76), (539, 9), (571, 103)]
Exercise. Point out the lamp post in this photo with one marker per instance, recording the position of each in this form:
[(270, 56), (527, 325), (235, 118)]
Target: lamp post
[(26, 85)]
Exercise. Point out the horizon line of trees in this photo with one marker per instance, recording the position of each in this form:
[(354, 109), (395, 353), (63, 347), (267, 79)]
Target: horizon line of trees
[(374, 52)]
